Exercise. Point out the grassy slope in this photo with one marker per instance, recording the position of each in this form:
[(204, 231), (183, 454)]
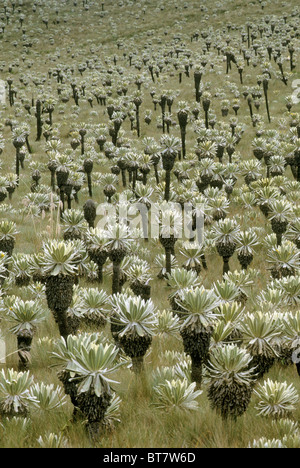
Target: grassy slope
[(141, 425)]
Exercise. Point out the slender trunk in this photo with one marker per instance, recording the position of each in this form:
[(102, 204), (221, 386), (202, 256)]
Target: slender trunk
[(63, 323), (291, 61), (196, 373), (138, 122), (62, 200), (137, 364), (241, 76), (123, 171), (251, 110), (89, 177), (267, 104), (134, 176), (39, 120), (167, 185), (69, 198), (100, 272), (156, 173), (183, 134), (17, 166), (28, 145), (279, 238), (130, 176), (206, 119), (168, 260), (24, 341), (116, 278), (204, 263), (227, 65), (53, 181), (226, 268)]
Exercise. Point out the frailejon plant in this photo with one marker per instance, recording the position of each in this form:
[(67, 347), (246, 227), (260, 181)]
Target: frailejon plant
[(63, 352), (92, 368), (260, 331), (169, 151), (61, 263), (176, 394), (74, 225), (94, 306), (198, 308), (231, 380), (225, 234), (23, 318), (15, 397), (49, 397), (8, 232), (291, 331), (136, 321), (276, 399), (118, 243)]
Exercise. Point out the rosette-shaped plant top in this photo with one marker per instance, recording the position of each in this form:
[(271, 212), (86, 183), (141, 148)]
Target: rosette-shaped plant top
[(136, 321)]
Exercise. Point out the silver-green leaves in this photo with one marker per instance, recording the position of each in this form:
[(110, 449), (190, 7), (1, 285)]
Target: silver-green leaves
[(276, 399), (62, 258), (134, 315), (199, 306), (177, 394)]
